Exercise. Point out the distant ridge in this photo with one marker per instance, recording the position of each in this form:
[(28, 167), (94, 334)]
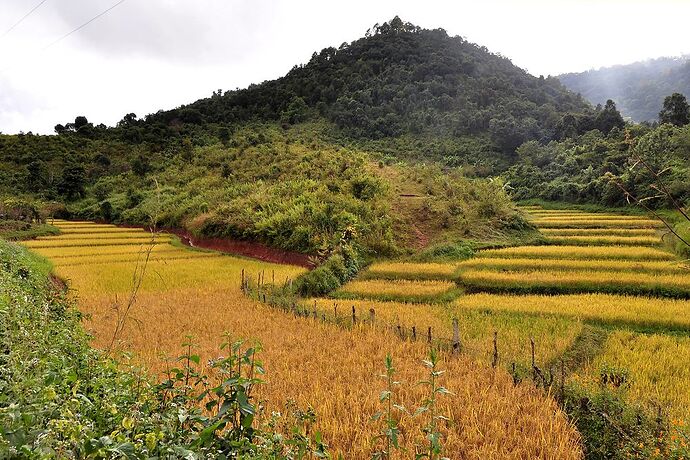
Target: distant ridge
[(638, 89)]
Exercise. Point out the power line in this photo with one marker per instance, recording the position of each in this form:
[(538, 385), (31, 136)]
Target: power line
[(23, 18), (85, 24)]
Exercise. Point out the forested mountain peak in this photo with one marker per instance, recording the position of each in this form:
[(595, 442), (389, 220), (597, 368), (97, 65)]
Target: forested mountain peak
[(400, 79), (639, 88)]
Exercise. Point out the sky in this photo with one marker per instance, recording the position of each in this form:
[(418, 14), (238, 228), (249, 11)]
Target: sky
[(147, 55)]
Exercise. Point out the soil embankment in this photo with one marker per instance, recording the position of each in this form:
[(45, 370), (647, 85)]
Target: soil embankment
[(243, 248)]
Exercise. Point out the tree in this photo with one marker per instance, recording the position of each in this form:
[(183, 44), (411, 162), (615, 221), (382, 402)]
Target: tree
[(609, 117), (296, 112), (73, 180), (676, 110)]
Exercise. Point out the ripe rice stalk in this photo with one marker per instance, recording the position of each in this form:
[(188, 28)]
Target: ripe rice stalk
[(598, 240), (590, 223), (403, 290), (514, 264), (477, 327), (579, 252), (562, 282), (605, 308), (657, 367), (144, 240), (410, 271), (599, 231)]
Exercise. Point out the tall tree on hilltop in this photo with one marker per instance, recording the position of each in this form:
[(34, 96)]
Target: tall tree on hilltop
[(676, 110)]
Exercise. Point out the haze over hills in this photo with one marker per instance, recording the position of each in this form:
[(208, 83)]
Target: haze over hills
[(638, 89)]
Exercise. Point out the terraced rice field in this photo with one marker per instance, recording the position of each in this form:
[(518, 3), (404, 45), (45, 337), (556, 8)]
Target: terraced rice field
[(608, 271), (414, 291), (331, 369)]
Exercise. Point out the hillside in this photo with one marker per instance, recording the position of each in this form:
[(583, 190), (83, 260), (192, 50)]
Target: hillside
[(299, 162), (638, 89), (401, 79)]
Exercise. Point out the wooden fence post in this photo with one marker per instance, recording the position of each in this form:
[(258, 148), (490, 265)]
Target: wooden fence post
[(243, 280), (494, 361), (414, 333), (562, 380), (456, 336), (354, 315), (429, 335), (372, 316)]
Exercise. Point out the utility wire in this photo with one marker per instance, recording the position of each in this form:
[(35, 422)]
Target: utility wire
[(84, 24), (23, 18)]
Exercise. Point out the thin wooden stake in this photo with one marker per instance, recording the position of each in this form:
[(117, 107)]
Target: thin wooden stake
[(494, 361), (354, 315), (372, 316), (414, 333), (428, 335), (562, 380), (531, 341), (456, 336)]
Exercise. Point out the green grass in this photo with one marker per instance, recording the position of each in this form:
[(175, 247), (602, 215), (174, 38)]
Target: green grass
[(17, 231)]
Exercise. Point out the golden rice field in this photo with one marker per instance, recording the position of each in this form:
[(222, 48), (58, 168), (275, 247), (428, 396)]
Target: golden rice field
[(410, 270), (613, 309), (599, 232), (91, 251), (102, 235), (602, 240), (552, 334), (665, 285), (657, 365), (596, 223), (641, 253), (112, 241), (313, 363), (396, 289), (591, 217), (606, 265), (596, 268)]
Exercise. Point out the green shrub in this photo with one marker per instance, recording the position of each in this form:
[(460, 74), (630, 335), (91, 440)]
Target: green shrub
[(446, 252), (329, 276)]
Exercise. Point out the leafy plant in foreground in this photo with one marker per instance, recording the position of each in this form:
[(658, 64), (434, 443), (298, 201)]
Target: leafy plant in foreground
[(434, 447), (391, 431)]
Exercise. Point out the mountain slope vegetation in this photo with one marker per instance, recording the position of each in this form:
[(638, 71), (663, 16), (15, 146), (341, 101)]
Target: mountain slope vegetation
[(327, 154), (638, 89)]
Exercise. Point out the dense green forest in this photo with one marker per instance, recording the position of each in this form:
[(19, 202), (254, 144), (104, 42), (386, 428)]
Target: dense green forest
[(638, 89)]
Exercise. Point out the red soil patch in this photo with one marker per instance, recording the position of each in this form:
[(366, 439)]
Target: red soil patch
[(243, 248), (235, 247)]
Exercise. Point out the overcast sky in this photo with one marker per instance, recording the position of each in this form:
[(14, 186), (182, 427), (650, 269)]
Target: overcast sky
[(146, 55)]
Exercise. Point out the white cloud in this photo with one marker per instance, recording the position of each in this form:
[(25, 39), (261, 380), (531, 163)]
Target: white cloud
[(147, 55)]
